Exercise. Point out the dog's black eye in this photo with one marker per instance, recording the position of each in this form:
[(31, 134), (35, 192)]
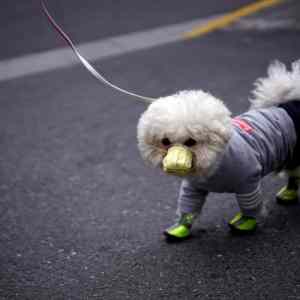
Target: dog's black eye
[(190, 142), (166, 142)]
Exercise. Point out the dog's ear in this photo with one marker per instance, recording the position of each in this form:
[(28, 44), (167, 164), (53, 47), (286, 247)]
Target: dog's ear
[(219, 138), (222, 132)]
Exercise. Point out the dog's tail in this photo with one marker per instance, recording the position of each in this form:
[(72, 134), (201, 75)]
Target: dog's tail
[(280, 86)]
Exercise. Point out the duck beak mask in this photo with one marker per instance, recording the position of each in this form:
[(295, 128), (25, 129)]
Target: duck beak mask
[(178, 161)]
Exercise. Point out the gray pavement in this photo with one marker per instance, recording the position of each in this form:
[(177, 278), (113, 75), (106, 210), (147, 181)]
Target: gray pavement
[(25, 30), (81, 215)]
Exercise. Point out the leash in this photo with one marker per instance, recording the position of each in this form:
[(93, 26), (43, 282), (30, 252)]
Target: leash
[(86, 64)]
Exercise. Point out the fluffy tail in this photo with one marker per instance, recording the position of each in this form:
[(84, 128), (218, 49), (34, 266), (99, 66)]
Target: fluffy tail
[(280, 86)]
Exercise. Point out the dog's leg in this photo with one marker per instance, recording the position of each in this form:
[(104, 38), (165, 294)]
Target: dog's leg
[(289, 193), (181, 230), (190, 203), (251, 209)]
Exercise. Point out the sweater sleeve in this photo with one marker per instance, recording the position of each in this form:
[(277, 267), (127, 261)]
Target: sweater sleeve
[(191, 197)]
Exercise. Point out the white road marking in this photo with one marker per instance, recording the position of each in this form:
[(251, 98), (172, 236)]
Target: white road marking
[(263, 24), (101, 49)]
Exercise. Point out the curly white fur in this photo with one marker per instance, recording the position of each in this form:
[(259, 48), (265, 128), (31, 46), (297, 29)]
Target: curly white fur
[(280, 86), (187, 114)]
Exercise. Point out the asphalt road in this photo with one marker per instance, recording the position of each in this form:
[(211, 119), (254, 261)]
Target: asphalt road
[(81, 216)]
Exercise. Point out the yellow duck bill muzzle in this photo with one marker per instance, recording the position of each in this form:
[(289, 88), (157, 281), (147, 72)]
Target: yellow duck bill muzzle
[(178, 161)]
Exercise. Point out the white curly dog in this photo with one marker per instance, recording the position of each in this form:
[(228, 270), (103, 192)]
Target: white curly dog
[(192, 134)]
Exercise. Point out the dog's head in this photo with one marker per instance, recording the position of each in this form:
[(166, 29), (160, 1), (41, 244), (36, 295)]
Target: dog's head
[(184, 133)]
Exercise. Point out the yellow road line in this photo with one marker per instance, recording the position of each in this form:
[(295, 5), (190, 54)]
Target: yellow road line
[(231, 17)]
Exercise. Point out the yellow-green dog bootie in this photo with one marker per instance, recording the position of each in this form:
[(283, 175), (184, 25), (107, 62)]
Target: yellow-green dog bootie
[(242, 224), (180, 230), (287, 196)]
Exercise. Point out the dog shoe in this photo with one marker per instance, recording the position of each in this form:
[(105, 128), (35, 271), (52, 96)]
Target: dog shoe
[(242, 224), (287, 196), (180, 230)]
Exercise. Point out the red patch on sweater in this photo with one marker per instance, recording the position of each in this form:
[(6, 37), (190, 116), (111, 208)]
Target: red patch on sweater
[(242, 125)]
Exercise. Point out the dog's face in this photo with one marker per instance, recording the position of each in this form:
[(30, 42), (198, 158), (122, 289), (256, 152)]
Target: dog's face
[(184, 133)]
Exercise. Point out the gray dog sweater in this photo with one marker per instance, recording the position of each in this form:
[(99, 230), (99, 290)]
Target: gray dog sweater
[(262, 142)]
